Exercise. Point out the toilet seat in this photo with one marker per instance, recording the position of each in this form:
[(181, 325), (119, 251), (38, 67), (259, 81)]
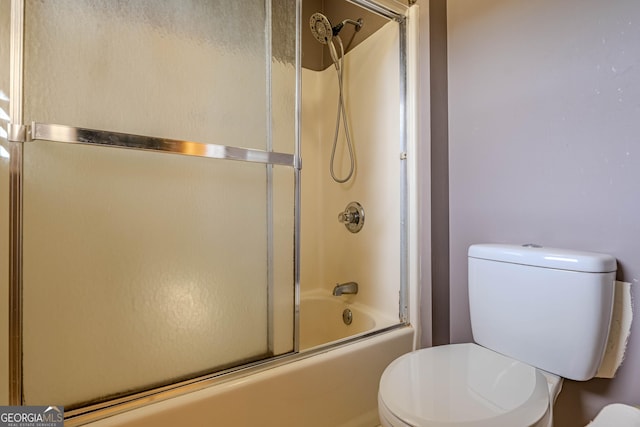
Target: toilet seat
[(462, 385)]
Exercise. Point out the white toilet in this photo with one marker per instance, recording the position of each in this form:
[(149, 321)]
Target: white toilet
[(537, 314)]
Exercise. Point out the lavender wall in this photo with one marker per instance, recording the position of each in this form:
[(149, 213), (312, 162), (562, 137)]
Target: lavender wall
[(544, 146)]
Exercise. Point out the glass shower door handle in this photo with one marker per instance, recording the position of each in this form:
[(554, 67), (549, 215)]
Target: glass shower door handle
[(75, 135)]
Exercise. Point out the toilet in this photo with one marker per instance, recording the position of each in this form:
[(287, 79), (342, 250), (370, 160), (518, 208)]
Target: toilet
[(538, 315)]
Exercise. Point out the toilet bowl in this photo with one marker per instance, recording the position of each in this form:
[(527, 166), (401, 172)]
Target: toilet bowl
[(538, 315), (465, 385)]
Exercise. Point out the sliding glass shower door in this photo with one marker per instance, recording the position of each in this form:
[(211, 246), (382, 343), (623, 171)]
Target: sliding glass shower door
[(159, 177)]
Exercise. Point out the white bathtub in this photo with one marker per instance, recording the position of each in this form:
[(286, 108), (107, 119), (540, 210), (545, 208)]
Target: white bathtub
[(321, 319), (333, 388)]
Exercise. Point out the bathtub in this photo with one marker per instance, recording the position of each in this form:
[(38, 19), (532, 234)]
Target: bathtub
[(321, 319), (320, 387)]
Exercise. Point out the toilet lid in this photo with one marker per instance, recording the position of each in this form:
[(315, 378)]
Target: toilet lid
[(459, 384)]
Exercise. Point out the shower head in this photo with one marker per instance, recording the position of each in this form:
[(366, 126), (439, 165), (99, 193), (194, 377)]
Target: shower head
[(321, 28), (324, 32)]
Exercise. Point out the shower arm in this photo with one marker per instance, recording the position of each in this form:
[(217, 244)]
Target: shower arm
[(358, 24)]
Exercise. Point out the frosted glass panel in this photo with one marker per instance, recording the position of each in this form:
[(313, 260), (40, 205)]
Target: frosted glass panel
[(188, 69), (138, 268), (141, 269), (283, 261), (283, 76)]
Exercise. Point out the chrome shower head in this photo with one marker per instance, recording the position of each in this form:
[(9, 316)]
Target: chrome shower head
[(323, 31), (321, 28)]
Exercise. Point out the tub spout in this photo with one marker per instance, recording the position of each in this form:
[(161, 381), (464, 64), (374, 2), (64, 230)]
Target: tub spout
[(345, 288)]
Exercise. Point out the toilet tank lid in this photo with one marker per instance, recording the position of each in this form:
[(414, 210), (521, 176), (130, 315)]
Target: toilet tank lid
[(539, 256)]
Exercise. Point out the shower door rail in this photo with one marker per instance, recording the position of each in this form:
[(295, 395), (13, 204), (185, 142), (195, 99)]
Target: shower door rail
[(76, 135)]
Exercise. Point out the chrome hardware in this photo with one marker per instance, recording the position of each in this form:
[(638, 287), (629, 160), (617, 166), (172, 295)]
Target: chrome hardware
[(73, 135), (347, 316), (18, 133), (352, 217), (345, 288), (357, 24)]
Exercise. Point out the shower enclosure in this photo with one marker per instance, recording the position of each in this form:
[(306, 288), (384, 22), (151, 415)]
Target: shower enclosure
[(151, 170)]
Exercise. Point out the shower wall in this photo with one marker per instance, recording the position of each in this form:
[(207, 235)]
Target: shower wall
[(330, 254)]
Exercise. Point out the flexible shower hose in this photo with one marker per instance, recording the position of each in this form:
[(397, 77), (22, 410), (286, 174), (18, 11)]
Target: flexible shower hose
[(338, 61)]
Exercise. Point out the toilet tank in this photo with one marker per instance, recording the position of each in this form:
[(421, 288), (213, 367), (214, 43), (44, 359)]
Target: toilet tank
[(548, 307)]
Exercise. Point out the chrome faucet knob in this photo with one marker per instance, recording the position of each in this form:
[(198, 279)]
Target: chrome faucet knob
[(347, 217), (352, 217)]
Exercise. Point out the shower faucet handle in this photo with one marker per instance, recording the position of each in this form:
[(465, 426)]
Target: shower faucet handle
[(352, 217), (348, 217)]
